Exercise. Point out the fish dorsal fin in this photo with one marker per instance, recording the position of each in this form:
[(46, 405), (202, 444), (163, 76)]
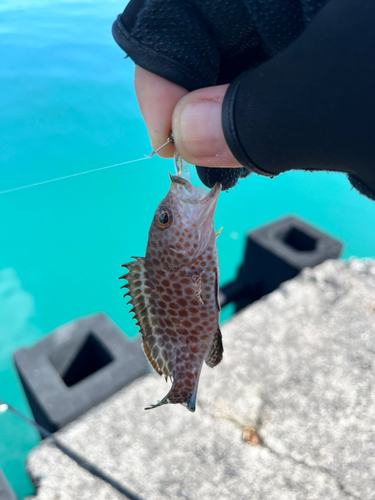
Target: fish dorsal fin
[(140, 293), (215, 354)]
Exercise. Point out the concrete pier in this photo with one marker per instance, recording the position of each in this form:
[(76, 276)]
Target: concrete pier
[(289, 414)]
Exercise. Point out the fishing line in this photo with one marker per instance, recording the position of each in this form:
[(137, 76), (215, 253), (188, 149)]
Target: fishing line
[(153, 153), (74, 175), (81, 461)]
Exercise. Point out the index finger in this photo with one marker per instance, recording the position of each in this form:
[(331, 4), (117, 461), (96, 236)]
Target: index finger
[(157, 98)]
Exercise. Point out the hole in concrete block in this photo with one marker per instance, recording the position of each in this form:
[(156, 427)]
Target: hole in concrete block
[(299, 240), (91, 357)]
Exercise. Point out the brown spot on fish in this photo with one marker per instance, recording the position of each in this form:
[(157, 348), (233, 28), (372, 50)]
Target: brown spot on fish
[(193, 310), (182, 302), (169, 322), (194, 339)]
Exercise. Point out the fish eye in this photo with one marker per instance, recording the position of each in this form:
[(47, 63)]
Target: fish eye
[(164, 219)]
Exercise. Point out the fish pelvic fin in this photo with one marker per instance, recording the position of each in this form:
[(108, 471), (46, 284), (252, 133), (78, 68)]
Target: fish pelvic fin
[(215, 354), (183, 391)]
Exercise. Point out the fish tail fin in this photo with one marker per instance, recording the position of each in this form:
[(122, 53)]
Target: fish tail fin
[(183, 391)]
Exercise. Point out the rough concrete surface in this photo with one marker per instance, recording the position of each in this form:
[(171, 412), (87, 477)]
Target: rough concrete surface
[(297, 379)]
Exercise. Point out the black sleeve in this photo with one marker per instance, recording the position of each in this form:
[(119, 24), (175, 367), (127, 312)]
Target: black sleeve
[(312, 106)]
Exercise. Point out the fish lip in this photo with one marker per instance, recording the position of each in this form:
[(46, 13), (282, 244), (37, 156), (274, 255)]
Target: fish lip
[(209, 202), (183, 182), (213, 194)]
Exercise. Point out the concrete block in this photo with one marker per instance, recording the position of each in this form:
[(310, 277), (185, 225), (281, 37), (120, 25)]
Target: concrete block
[(6, 491), (276, 253), (76, 367)]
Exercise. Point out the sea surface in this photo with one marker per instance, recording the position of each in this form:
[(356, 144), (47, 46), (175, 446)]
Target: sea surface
[(67, 105)]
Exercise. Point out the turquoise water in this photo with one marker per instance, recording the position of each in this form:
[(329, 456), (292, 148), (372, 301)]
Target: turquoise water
[(66, 106)]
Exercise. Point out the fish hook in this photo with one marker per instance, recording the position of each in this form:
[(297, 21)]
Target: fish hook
[(169, 141)]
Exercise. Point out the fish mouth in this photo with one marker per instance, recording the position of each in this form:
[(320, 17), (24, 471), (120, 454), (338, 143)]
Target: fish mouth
[(208, 205), (195, 209), (197, 205), (213, 194), (180, 183), (192, 194)]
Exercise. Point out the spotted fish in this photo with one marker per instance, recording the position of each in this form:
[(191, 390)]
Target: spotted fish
[(174, 290)]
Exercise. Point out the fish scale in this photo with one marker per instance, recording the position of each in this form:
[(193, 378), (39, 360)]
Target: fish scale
[(174, 290)]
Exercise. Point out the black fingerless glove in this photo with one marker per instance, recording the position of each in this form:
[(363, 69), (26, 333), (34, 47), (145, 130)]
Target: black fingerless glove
[(298, 97)]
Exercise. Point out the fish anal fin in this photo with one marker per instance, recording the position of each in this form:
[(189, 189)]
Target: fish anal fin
[(215, 354)]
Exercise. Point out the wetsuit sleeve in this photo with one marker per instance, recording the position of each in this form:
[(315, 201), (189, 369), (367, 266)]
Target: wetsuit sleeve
[(312, 106)]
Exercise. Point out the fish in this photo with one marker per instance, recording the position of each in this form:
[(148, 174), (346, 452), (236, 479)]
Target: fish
[(174, 290)]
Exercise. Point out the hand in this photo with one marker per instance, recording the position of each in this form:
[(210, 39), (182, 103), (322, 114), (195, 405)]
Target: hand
[(194, 118)]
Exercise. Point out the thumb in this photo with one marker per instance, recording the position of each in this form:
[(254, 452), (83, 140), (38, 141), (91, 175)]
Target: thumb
[(197, 130)]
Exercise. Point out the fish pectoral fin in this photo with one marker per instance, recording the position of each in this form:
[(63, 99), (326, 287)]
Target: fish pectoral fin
[(215, 354), (196, 277)]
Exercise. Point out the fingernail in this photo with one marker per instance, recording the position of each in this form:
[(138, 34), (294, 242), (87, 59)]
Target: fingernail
[(199, 129)]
